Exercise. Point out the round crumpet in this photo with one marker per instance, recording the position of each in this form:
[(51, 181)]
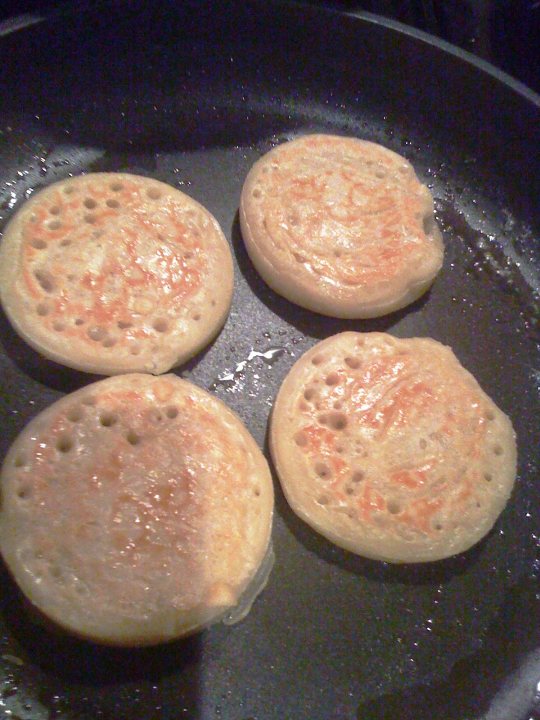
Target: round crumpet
[(135, 510), (390, 448), (113, 273), (340, 226)]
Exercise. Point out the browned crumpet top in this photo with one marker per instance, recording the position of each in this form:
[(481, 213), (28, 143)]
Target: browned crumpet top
[(340, 226), (135, 510), (111, 272), (390, 448)]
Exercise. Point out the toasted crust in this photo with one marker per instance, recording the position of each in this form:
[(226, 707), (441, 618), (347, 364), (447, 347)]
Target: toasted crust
[(112, 273), (390, 448), (340, 226), (135, 510)]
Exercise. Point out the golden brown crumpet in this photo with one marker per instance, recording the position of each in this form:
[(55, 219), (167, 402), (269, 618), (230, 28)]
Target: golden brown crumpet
[(112, 273), (340, 226), (135, 510), (390, 448)]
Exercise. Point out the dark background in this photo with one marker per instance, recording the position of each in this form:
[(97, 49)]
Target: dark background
[(504, 32)]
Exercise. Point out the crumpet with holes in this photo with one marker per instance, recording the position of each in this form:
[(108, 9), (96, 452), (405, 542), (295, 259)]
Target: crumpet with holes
[(390, 448), (112, 273), (135, 510), (340, 226)]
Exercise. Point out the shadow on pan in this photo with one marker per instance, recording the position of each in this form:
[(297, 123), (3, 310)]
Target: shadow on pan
[(305, 321), (89, 670), (475, 681)]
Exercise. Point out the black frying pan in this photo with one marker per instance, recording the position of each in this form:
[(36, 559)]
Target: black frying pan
[(193, 93)]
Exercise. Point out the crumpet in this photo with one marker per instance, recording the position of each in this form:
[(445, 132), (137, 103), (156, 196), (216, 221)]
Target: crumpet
[(340, 226), (390, 448), (112, 273), (135, 510)]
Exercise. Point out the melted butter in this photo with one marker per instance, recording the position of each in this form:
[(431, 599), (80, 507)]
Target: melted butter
[(232, 379), (253, 590)]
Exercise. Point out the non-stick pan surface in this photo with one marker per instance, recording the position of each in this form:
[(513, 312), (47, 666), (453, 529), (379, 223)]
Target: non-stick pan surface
[(193, 93)]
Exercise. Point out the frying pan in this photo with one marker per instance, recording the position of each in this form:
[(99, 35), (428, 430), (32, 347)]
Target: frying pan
[(193, 93)]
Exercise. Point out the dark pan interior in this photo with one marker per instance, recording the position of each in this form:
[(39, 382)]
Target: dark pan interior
[(193, 93)]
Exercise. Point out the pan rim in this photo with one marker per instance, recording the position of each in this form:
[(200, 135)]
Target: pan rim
[(21, 22)]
